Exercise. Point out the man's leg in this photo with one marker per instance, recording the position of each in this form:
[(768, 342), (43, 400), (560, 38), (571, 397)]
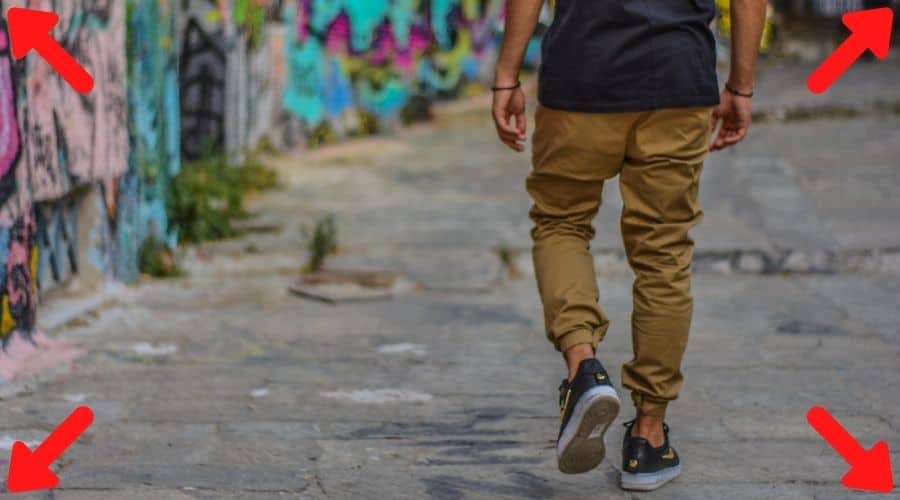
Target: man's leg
[(573, 154), (660, 188)]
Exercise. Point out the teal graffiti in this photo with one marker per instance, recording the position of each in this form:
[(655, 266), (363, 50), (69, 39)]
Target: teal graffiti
[(154, 129), (365, 17), (441, 25), (374, 55), (303, 94), (386, 101)]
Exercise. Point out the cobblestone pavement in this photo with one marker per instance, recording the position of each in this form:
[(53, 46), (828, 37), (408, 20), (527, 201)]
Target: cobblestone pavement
[(223, 385)]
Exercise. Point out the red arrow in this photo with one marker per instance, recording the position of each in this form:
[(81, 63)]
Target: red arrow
[(29, 471), (869, 470), (869, 30), (30, 29)]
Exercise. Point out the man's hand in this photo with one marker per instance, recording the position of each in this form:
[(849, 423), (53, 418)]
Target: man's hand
[(733, 114), (748, 17), (509, 117), (509, 105)]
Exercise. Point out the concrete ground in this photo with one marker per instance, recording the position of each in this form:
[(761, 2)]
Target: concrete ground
[(223, 385)]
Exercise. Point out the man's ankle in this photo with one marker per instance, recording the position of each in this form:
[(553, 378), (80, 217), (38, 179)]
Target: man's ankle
[(575, 355), (649, 428)]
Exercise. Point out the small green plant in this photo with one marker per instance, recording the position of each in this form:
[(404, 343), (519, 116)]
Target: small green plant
[(207, 195), (322, 135), (322, 243), (156, 259), (508, 258), (265, 146)]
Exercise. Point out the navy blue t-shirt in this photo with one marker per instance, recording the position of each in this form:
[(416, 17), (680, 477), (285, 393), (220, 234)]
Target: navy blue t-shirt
[(629, 55)]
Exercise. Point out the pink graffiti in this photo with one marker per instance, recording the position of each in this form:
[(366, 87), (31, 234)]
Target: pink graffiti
[(41, 138), (385, 48), (70, 138), (96, 128), (9, 127), (300, 24)]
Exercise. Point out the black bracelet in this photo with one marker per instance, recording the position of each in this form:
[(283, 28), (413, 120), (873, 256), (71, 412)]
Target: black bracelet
[(514, 87), (731, 90)]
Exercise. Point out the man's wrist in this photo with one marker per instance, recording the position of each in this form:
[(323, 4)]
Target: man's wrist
[(740, 93), (506, 78), (739, 86)]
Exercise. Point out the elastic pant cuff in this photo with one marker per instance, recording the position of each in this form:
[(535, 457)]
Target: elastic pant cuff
[(575, 338), (649, 406)]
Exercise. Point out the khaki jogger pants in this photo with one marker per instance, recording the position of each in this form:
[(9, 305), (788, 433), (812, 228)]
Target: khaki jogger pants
[(658, 156)]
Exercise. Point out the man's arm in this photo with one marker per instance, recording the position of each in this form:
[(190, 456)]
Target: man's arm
[(521, 20), (509, 105), (748, 18)]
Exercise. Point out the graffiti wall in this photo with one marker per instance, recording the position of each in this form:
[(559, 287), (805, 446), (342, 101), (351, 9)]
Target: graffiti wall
[(154, 133), (10, 139), (53, 144), (202, 73), (356, 65), (17, 247), (254, 71), (229, 73), (179, 79), (70, 138)]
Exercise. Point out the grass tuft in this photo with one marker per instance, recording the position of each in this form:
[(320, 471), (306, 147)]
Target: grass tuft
[(156, 259), (322, 242), (208, 195)]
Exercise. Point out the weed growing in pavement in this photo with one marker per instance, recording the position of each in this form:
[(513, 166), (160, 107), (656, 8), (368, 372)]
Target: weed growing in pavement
[(208, 195), (321, 243)]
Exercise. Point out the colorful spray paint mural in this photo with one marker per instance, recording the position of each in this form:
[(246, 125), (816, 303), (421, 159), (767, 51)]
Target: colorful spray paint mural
[(202, 73), (228, 78), (18, 288), (53, 142), (154, 132), (177, 79), (9, 129), (251, 71), (354, 65), (73, 139)]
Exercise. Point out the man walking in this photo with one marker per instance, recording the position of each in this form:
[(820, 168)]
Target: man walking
[(627, 88)]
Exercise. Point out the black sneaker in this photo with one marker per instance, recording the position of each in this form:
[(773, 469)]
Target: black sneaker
[(587, 406), (645, 468)]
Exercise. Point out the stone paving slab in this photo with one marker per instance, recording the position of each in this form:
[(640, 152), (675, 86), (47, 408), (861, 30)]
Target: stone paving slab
[(475, 269), (847, 171), (133, 494), (267, 477)]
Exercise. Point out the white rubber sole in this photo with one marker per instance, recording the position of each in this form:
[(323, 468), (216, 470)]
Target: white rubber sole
[(577, 451), (649, 481)]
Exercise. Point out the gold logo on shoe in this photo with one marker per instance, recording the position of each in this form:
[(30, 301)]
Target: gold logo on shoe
[(562, 407), (601, 377), (632, 464), (669, 454)]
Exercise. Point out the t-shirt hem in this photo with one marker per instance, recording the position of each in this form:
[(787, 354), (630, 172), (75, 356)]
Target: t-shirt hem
[(651, 104)]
